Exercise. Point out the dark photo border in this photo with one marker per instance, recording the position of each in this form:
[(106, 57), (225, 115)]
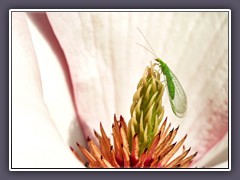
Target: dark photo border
[(171, 4)]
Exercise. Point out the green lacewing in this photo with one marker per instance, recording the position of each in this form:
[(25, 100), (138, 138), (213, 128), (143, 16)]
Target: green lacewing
[(177, 96)]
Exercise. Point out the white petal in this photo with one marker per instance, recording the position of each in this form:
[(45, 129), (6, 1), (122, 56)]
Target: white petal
[(35, 141), (55, 78), (221, 165)]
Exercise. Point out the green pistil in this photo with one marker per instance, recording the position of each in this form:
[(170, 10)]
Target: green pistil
[(146, 110)]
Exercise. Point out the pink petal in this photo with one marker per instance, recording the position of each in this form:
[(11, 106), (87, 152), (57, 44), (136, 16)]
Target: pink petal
[(90, 73), (216, 155), (203, 72)]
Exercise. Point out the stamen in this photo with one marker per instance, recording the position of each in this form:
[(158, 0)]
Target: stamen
[(157, 155)]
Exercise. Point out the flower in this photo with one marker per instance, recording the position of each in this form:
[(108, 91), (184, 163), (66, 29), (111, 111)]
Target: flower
[(87, 56)]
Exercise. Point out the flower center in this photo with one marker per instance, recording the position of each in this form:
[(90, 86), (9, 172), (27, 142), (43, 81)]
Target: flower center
[(141, 143)]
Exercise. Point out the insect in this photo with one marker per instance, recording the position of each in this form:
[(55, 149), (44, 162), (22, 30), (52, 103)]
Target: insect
[(177, 96)]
